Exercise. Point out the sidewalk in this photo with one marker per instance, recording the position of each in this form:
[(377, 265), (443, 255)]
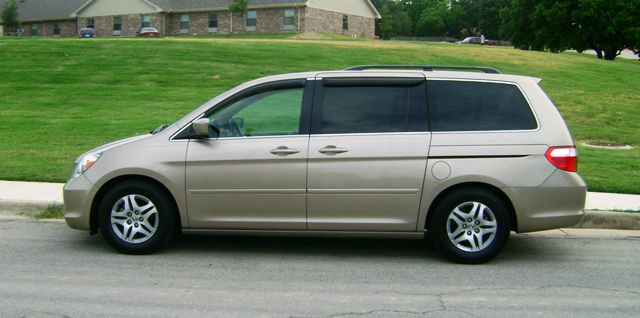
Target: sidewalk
[(16, 195)]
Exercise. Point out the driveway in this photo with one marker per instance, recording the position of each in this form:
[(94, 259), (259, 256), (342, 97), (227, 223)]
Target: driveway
[(49, 270)]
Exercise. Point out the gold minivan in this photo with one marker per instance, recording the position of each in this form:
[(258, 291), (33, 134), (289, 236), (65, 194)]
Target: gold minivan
[(466, 154)]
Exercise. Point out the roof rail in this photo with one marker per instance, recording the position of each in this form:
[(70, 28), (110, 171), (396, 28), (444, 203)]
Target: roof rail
[(426, 68)]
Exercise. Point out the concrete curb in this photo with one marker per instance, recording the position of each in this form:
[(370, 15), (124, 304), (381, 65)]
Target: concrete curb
[(610, 220), (592, 219)]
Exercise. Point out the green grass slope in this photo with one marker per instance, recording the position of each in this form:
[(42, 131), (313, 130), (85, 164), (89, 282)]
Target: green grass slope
[(60, 97)]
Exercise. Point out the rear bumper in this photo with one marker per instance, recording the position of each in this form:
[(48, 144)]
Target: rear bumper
[(78, 194), (558, 202)]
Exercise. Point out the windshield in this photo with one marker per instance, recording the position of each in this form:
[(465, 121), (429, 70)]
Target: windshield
[(149, 30)]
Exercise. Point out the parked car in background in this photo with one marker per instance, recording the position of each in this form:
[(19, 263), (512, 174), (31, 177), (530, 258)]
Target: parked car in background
[(477, 40), (87, 33), (148, 32), (371, 151)]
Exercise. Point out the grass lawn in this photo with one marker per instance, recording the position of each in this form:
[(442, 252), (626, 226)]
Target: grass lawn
[(60, 97)]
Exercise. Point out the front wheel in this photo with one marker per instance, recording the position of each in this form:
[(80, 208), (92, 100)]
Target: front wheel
[(136, 217), (470, 226)]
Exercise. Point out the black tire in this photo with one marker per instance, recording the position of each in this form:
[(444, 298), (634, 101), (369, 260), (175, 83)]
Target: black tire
[(469, 250), (160, 224)]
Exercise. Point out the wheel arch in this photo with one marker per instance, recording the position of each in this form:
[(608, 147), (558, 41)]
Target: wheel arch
[(473, 185), (130, 177)]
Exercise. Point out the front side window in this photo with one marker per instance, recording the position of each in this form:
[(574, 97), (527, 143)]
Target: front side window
[(289, 19), (372, 109), (252, 20), (34, 29), (271, 113), (91, 24), (345, 22), (213, 22), (478, 106), (117, 23), (184, 23), (56, 28), (146, 21)]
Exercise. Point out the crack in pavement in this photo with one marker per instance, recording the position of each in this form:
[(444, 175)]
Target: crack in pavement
[(444, 308)]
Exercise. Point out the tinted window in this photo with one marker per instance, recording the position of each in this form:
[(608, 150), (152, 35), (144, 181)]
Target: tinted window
[(274, 112), (478, 106), (372, 109)]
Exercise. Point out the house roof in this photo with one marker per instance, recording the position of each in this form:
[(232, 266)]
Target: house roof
[(46, 10), (43, 10), (206, 4)]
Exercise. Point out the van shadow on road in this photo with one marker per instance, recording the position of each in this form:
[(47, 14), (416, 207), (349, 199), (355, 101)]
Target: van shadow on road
[(519, 249)]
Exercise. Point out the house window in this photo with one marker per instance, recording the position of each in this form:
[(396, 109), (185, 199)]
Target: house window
[(91, 23), (289, 19), (345, 23), (117, 25), (184, 23), (252, 20), (34, 29), (146, 21), (56, 28), (213, 22)]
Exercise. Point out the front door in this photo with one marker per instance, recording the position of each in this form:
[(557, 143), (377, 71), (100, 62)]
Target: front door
[(367, 153), (252, 173)]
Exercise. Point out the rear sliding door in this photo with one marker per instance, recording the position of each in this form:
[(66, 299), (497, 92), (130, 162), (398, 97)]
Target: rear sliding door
[(367, 153)]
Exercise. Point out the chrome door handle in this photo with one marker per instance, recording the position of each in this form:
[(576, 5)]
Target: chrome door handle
[(284, 151), (332, 150)]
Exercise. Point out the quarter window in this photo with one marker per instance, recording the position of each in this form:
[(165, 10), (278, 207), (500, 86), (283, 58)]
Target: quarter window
[(478, 106), (252, 20), (146, 21), (275, 112), (184, 23), (91, 24), (289, 19), (372, 109)]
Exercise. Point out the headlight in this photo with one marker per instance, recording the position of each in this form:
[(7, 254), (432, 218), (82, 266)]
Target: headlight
[(85, 163)]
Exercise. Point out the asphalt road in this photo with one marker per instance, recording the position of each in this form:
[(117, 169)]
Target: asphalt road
[(49, 270)]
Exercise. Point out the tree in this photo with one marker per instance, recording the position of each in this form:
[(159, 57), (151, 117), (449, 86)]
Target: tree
[(432, 20), (488, 12), (239, 6), (402, 23), (517, 25), (552, 23), (607, 26), (9, 14), (386, 24)]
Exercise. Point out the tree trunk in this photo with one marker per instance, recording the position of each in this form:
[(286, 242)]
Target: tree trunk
[(598, 53), (610, 55)]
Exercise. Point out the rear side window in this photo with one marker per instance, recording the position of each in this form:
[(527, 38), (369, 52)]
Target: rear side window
[(371, 106), (478, 106)]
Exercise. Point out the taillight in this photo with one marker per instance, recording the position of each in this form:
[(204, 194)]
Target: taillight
[(564, 158)]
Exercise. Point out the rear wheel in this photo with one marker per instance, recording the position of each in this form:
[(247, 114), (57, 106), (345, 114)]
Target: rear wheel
[(136, 217), (470, 226)]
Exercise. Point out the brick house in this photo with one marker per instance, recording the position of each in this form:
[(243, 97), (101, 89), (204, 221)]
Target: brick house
[(45, 17), (202, 17)]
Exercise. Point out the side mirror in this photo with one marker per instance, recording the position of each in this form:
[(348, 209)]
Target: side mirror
[(201, 128)]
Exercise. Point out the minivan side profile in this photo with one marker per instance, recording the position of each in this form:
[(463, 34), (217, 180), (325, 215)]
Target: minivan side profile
[(374, 151)]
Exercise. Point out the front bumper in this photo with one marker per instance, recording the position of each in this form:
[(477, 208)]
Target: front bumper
[(78, 194)]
